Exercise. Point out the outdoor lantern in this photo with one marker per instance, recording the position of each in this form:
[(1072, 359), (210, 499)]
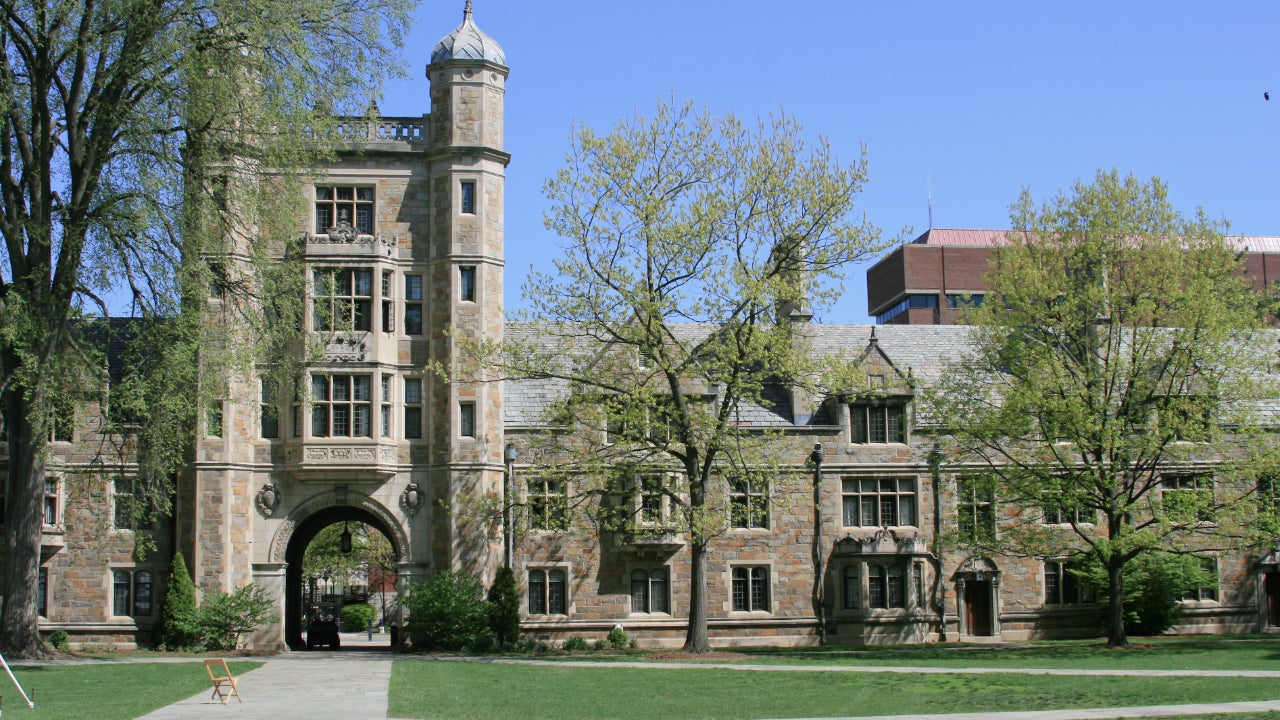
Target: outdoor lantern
[(344, 541)]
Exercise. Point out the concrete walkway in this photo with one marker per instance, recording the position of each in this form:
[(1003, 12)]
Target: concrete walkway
[(319, 685), (353, 684)]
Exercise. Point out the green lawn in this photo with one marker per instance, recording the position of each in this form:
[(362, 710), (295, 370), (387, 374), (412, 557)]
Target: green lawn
[(108, 691), (1180, 654), (449, 690)]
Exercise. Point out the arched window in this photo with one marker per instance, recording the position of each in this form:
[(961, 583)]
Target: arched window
[(547, 592), (852, 589), (649, 591)]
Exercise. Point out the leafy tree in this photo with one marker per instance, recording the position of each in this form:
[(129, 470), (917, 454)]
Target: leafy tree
[(504, 607), (448, 610), (137, 142), (696, 247), (1112, 364), (179, 625)]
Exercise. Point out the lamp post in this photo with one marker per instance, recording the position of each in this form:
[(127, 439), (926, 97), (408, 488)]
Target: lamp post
[(509, 496), (819, 553)]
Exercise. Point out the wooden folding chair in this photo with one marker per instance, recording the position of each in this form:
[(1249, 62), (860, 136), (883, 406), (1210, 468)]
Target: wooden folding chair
[(221, 677)]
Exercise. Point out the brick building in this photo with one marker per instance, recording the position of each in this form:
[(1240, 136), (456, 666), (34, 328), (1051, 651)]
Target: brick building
[(933, 278), (406, 240)]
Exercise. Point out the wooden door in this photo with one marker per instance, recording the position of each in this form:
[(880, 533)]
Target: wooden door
[(1272, 582), (977, 607)]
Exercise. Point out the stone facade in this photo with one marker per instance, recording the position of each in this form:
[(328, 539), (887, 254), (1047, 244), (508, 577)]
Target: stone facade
[(423, 264)]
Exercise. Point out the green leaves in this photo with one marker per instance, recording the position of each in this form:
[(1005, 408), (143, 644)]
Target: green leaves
[(1118, 350)]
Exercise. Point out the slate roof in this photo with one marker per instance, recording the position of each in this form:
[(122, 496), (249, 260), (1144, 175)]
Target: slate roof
[(468, 42), (923, 349)]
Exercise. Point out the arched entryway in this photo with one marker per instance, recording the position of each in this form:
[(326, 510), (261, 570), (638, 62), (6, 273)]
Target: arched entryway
[(295, 547)]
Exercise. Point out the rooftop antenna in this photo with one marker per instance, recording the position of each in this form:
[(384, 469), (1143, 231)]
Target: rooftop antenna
[(929, 183)]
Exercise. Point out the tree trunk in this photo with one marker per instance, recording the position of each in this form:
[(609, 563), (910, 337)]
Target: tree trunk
[(697, 639), (1115, 609), (19, 628)]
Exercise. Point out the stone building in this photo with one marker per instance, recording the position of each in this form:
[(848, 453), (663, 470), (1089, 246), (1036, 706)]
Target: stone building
[(406, 242)]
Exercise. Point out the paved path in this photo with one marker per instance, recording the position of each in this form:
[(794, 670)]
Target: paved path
[(320, 685)]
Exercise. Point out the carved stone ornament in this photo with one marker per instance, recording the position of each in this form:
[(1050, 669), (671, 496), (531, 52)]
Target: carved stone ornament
[(411, 499), (342, 233), (268, 499)]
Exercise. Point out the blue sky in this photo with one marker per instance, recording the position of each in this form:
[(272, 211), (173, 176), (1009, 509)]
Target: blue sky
[(977, 99)]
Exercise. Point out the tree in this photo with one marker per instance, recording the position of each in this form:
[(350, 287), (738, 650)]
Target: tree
[(137, 141), (1112, 370), (504, 607), (696, 247), (179, 625)]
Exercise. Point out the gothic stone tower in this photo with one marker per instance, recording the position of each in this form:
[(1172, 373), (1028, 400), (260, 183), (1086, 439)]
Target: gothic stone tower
[(404, 247)]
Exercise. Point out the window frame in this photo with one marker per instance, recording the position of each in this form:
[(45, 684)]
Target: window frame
[(981, 517), (880, 496), (341, 299), (749, 505), (42, 591), (546, 503), (879, 423), (352, 405), (467, 197), (413, 404), (330, 194), (1206, 593), (1195, 484), (650, 499), (851, 586), (1067, 588), (128, 501), (51, 505), (467, 283), (268, 409), (414, 302), (652, 589), (135, 601), (750, 589), (542, 595), (467, 420)]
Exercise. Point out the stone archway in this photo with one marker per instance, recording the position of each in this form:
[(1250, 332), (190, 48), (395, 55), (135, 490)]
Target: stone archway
[(290, 542)]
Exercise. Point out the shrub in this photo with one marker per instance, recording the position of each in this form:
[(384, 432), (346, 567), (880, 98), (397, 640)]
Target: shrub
[(504, 607), (225, 617), (575, 643), (357, 616), (618, 638), (179, 624), (60, 640), (448, 610)]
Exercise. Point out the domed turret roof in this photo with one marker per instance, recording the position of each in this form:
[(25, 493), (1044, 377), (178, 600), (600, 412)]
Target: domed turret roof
[(468, 42)]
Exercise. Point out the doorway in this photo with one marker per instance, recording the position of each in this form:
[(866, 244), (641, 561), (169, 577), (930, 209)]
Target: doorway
[(977, 607), (1271, 583)]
